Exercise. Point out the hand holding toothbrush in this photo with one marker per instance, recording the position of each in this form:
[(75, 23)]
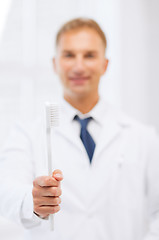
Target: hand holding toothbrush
[(46, 194)]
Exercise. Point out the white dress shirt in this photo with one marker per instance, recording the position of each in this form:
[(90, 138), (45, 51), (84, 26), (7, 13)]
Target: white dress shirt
[(94, 126)]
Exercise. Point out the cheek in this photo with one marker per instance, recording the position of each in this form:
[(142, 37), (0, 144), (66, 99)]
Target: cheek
[(64, 66), (95, 67)]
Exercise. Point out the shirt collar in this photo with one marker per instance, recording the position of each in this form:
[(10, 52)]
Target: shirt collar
[(96, 113)]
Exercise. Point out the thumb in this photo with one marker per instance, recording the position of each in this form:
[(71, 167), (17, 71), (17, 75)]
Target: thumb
[(57, 174)]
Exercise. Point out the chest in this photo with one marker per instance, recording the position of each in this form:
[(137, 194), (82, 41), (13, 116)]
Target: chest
[(117, 168)]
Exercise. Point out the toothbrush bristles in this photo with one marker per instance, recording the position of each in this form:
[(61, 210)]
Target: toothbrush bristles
[(54, 115)]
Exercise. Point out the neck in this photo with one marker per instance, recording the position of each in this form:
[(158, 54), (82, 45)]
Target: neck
[(84, 105)]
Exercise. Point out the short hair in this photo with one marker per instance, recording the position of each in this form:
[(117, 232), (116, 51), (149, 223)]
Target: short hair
[(79, 23)]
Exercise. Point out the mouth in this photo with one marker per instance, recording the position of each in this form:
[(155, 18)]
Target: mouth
[(78, 80)]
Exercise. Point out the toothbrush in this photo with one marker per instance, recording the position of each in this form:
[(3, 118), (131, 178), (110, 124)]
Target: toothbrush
[(52, 120)]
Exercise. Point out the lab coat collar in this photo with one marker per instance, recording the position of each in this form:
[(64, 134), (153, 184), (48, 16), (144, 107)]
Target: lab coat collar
[(114, 123)]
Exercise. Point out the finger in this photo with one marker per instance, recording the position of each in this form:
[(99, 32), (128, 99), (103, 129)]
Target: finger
[(52, 192), (47, 201), (45, 181), (46, 192), (46, 210), (57, 174)]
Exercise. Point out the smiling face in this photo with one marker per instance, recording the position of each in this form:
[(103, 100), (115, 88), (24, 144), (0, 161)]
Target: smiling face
[(80, 62)]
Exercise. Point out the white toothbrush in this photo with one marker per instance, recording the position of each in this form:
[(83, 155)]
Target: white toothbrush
[(52, 120)]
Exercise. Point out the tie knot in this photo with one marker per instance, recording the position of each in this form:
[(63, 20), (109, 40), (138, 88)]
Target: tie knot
[(84, 122)]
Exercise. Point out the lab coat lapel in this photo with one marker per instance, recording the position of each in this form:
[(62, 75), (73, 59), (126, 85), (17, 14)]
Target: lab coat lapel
[(113, 130), (109, 133), (66, 130)]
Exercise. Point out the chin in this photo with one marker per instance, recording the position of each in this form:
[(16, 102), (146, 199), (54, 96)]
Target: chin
[(80, 94), (79, 90)]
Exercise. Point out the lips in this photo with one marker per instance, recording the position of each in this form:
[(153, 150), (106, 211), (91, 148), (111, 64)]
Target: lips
[(79, 79)]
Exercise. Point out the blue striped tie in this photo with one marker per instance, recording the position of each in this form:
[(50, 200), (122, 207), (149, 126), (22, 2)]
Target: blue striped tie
[(86, 138)]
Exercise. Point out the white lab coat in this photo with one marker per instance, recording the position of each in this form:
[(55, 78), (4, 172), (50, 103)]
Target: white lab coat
[(114, 198)]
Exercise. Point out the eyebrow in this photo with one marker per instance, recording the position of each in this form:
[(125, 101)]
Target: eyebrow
[(87, 51), (92, 52)]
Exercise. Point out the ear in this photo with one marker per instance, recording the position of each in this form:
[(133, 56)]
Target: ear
[(54, 64), (105, 65)]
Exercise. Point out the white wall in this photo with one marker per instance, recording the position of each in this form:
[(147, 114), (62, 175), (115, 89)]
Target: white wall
[(26, 49), (140, 51)]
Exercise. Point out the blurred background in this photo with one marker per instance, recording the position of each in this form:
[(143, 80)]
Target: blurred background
[(27, 35)]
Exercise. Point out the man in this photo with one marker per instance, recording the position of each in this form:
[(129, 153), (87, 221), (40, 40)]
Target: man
[(110, 163)]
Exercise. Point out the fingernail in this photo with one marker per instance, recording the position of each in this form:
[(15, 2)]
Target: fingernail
[(58, 175)]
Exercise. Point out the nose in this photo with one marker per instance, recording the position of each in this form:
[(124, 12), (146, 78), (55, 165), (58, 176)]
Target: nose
[(79, 66)]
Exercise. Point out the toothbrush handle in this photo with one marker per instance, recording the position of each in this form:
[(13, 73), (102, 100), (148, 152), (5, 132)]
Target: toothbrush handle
[(49, 153), (51, 217)]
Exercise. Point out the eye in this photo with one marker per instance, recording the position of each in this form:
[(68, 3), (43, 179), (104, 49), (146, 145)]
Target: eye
[(68, 55), (90, 55)]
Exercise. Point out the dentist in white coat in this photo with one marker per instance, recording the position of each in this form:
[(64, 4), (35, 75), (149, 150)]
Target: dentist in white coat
[(113, 197)]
